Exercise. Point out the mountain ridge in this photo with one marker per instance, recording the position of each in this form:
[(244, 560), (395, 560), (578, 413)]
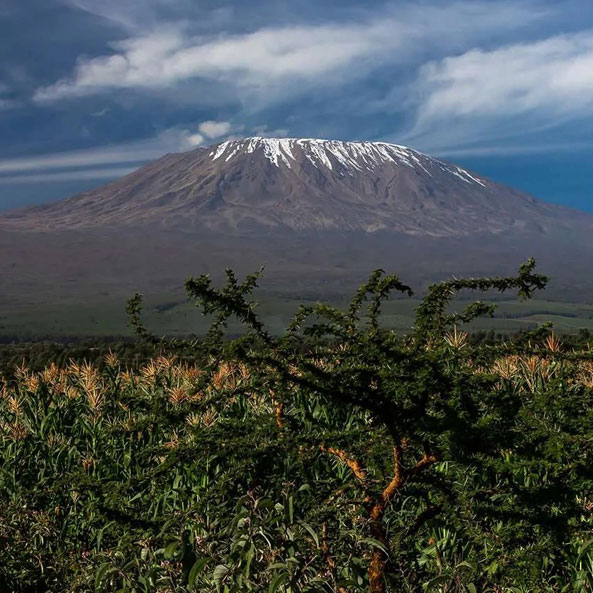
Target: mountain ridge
[(301, 184)]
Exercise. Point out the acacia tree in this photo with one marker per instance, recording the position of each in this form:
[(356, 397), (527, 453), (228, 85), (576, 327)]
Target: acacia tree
[(419, 392)]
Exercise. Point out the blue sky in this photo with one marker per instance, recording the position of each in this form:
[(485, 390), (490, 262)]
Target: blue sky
[(91, 89)]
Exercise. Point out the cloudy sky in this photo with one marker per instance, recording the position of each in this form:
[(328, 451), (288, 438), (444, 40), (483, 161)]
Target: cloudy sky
[(91, 89)]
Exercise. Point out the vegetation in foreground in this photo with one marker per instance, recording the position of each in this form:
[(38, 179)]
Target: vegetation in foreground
[(337, 457)]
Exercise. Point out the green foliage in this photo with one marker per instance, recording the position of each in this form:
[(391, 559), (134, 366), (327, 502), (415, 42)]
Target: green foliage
[(336, 457)]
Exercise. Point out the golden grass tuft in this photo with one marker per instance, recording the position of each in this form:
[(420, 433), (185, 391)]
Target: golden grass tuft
[(31, 383), (194, 419), (21, 372), (18, 431), (208, 418), (457, 339), (585, 374), (178, 395), (50, 374), (111, 360), (150, 371), (553, 343), (173, 442), (71, 392), (225, 377), (14, 405), (95, 400), (164, 363), (506, 367)]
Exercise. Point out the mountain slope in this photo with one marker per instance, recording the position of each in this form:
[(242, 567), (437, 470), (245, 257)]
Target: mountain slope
[(300, 185)]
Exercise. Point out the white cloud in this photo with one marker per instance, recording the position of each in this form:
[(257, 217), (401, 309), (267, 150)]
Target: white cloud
[(101, 112), (555, 73), (215, 129), (279, 61), (163, 59), (532, 86), (194, 140)]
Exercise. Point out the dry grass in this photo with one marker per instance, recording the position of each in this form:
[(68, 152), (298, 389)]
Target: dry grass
[(457, 339)]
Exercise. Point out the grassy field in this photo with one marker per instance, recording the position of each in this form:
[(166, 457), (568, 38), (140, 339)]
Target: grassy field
[(46, 291), (172, 315)]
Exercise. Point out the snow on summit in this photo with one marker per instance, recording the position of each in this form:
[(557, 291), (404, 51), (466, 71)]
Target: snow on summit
[(352, 156)]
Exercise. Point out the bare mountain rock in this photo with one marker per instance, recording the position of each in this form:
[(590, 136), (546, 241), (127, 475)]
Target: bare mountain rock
[(302, 185)]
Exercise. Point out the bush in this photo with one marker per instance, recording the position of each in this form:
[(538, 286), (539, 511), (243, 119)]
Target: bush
[(336, 457)]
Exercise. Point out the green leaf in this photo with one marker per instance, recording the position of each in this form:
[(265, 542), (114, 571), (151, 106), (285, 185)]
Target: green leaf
[(278, 582), (311, 532), (219, 573), (435, 582), (195, 571), (102, 572), (171, 550), (374, 543)]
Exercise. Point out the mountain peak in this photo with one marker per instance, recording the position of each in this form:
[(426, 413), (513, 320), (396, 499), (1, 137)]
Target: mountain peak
[(351, 156), (298, 184)]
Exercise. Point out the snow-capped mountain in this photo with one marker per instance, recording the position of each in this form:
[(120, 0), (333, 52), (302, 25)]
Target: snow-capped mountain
[(302, 185), (353, 157)]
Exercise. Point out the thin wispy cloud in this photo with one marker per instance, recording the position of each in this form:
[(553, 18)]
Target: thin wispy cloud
[(130, 153), (511, 149), (89, 174), (171, 140), (490, 94), (132, 15), (84, 163)]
